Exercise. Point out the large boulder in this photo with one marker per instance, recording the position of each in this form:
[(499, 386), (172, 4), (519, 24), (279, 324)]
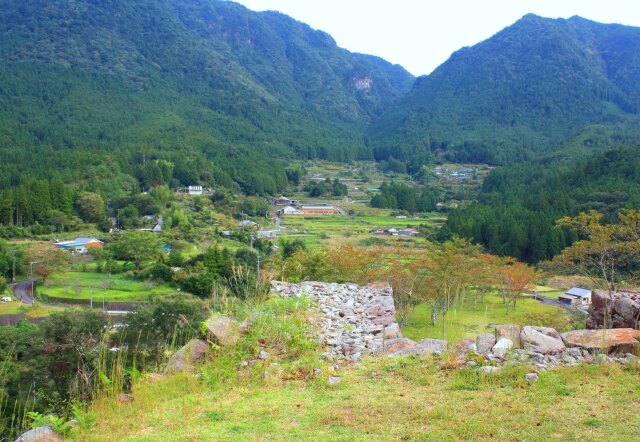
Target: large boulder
[(40, 434), (484, 343), (222, 330), (502, 347), (543, 340), (430, 346), (407, 347), (509, 331), (392, 347), (619, 340), (185, 359)]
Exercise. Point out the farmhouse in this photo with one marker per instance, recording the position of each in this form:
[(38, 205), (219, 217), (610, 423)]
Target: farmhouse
[(283, 201), (318, 210), (270, 234), (194, 190), (576, 296), (289, 210), (80, 245)]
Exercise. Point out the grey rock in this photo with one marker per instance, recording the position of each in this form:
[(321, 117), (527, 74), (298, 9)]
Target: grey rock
[(263, 355), (484, 343), (489, 369), (543, 340), (40, 434), (222, 330), (509, 331), (334, 380), (185, 359), (502, 347), (574, 352), (392, 331), (491, 325), (531, 377)]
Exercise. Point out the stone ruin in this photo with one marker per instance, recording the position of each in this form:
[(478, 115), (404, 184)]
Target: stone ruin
[(357, 320), (354, 321), (623, 308)]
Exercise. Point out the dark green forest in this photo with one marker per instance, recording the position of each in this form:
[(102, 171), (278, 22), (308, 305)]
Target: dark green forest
[(519, 205), (537, 86), (90, 90)]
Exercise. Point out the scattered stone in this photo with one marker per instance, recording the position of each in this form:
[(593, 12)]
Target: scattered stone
[(491, 325), (543, 340), (502, 347), (619, 340), (334, 380), (184, 359), (40, 434), (406, 347), (489, 369), (531, 377), (463, 347), (263, 355), (393, 347), (484, 343), (317, 371), (222, 330), (509, 331), (622, 307)]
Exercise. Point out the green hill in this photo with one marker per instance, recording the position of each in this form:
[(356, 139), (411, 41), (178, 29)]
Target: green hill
[(538, 85), (519, 205), (91, 89)]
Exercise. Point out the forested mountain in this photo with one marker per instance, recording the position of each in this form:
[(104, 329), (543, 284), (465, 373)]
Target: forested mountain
[(520, 204), (97, 91), (538, 85)]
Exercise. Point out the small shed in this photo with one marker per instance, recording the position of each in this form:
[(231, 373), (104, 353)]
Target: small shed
[(576, 296)]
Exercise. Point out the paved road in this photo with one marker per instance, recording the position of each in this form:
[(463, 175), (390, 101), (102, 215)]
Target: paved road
[(22, 291)]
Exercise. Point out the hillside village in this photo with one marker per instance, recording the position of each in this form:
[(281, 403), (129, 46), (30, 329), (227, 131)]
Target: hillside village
[(216, 223)]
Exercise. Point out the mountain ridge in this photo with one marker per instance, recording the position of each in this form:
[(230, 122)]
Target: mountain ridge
[(529, 88)]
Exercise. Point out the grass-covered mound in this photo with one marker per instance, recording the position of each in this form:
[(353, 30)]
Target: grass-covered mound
[(287, 396)]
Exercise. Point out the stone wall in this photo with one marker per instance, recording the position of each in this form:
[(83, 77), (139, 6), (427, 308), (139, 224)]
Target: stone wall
[(353, 320), (623, 305)]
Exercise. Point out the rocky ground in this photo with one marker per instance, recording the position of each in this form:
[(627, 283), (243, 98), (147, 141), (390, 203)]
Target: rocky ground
[(354, 321)]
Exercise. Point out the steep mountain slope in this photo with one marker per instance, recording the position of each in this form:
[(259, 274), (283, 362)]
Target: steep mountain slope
[(532, 87), (209, 85)]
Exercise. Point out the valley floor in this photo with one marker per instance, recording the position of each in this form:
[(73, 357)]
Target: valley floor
[(392, 399)]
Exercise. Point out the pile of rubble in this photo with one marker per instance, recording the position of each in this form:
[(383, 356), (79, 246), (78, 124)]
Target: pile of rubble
[(621, 308), (355, 321), (544, 347)]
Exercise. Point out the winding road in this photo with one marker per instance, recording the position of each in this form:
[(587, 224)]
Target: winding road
[(22, 291)]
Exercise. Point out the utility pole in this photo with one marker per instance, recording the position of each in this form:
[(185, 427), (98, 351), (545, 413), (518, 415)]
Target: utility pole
[(103, 308), (91, 299), (259, 262), (252, 237), (118, 220), (31, 275)]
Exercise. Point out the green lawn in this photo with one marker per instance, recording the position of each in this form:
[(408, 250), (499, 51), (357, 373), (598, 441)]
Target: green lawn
[(385, 400), (11, 308), (78, 285), (465, 321)]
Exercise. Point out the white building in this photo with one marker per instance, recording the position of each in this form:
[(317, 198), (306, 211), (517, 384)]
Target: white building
[(194, 190)]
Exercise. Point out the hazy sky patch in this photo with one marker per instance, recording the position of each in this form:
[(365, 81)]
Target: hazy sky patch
[(421, 34)]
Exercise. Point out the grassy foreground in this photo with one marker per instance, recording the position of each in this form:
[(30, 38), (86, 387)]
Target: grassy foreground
[(285, 397), (387, 400)]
